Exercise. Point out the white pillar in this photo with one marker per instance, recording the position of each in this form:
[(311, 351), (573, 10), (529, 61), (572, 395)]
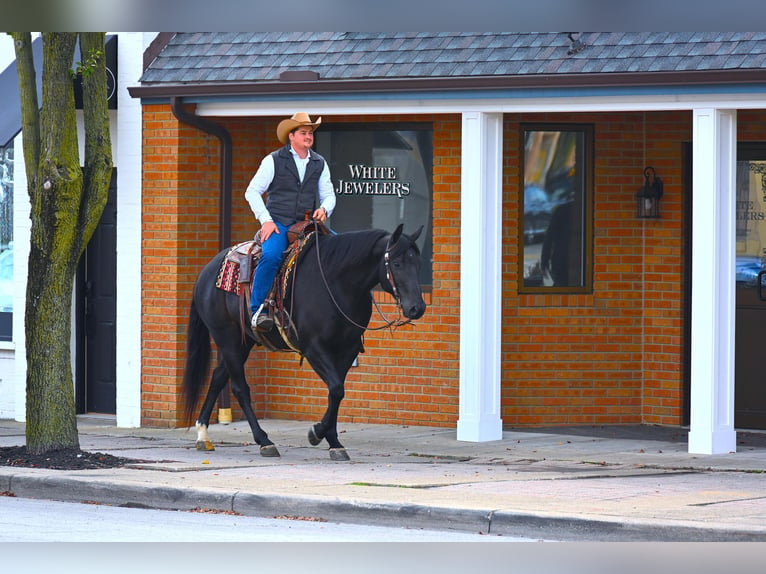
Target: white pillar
[(22, 230), (713, 288), (127, 160), (480, 277)]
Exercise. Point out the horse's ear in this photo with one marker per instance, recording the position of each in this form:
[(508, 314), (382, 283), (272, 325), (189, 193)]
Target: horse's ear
[(415, 235), (397, 234)]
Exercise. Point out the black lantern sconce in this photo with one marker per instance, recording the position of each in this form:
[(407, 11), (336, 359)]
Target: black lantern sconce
[(648, 197)]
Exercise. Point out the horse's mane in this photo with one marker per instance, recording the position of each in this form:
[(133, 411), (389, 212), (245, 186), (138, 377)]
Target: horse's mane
[(350, 247)]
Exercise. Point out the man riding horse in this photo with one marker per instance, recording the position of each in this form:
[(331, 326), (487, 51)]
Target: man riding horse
[(293, 176), (328, 299)]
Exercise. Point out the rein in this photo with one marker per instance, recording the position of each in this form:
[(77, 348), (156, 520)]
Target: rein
[(389, 276)]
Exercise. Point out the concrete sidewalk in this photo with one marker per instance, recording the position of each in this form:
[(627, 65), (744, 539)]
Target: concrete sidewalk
[(564, 483)]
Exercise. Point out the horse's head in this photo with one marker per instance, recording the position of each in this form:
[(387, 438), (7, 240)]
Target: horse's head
[(401, 276)]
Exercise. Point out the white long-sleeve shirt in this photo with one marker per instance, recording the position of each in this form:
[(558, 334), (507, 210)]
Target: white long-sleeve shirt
[(264, 176)]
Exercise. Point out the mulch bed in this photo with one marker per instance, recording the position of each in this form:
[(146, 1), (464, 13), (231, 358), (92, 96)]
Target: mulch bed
[(62, 459)]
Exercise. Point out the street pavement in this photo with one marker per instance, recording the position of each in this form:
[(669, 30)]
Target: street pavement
[(586, 483)]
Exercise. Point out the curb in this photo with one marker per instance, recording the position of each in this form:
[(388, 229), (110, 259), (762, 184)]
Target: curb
[(583, 529), (502, 523), (67, 489)]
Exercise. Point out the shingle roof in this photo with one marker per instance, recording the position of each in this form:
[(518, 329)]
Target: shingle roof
[(207, 57)]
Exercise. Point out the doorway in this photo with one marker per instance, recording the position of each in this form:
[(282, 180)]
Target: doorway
[(96, 312), (750, 330), (750, 277)]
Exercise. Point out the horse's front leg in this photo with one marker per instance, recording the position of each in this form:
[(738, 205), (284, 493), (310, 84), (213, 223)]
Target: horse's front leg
[(327, 428)]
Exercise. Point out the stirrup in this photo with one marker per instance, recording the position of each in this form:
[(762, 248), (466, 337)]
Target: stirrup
[(262, 320)]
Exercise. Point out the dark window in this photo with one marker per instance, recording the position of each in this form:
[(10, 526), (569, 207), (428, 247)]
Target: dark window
[(382, 175), (556, 216)]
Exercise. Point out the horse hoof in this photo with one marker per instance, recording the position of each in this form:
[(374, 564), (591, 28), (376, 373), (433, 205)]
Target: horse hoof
[(204, 445), (313, 438), (339, 454), (269, 450)]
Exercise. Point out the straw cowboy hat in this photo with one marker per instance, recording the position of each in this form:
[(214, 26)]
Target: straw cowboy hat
[(298, 120)]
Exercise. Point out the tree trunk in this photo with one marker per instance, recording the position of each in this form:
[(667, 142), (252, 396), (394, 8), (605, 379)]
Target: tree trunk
[(66, 208)]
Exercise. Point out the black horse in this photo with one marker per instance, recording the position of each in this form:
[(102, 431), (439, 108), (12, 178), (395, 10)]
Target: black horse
[(329, 302)]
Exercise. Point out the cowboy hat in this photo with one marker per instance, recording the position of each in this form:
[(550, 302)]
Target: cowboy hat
[(299, 119)]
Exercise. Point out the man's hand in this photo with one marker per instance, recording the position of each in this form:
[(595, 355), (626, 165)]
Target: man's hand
[(320, 215), (267, 229)]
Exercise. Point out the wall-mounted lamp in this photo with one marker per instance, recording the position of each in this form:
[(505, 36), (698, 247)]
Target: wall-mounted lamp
[(648, 197)]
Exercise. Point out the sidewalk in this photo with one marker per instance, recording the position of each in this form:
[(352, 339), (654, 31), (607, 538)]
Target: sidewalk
[(564, 483)]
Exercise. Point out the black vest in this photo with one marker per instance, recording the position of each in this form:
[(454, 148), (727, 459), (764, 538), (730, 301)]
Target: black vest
[(289, 199)]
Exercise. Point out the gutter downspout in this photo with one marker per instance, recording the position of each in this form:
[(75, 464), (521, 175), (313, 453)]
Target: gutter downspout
[(224, 208)]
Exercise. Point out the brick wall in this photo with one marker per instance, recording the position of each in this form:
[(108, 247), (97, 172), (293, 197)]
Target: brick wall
[(613, 356), (180, 203)]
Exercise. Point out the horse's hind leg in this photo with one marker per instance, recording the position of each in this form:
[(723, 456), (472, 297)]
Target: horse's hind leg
[(217, 383), (235, 365)]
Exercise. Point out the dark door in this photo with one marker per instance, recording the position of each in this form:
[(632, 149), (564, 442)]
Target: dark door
[(750, 330), (750, 312), (96, 376)]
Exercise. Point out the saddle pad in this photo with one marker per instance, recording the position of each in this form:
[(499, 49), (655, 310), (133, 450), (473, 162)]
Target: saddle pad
[(228, 276)]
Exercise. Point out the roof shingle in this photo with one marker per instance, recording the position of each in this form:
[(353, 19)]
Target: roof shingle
[(263, 56)]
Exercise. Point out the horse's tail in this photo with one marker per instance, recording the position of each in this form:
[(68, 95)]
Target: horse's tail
[(197, 362)]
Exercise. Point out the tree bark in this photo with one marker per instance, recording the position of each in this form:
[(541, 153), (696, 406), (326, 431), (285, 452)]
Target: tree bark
[(98, 146), (66, 205)]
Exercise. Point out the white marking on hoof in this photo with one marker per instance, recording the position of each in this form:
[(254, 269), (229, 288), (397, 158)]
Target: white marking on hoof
[(203, 440)]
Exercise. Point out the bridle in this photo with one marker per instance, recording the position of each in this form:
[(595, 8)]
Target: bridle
[(389, 273), (399, 321)]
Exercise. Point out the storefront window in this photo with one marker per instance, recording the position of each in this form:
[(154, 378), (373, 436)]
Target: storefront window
[(6, 242), (382, 175), (556, 186), (751, 217)]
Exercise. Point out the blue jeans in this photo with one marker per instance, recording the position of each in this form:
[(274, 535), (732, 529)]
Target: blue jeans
[(267, 267)]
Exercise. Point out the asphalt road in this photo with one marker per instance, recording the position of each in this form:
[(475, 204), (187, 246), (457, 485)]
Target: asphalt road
[(122, 544), (28, 520)]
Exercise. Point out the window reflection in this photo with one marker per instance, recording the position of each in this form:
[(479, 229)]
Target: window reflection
[(553, 207), (751, 220), (6, 242)]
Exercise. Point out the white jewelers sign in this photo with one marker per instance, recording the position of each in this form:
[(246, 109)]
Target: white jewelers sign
[(373, 180)]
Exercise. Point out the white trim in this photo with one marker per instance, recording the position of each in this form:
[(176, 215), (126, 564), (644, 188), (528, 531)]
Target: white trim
[(22, 228), (129, 170), (481, 279), (352, 106), (713, 287)]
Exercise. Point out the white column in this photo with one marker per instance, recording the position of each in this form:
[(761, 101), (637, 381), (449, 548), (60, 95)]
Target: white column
[(480, 277), (713, 288), (127, 160), (22, 230)]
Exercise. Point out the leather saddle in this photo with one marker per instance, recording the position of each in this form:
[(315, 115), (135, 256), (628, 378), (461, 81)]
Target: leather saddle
[(239, 267)]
